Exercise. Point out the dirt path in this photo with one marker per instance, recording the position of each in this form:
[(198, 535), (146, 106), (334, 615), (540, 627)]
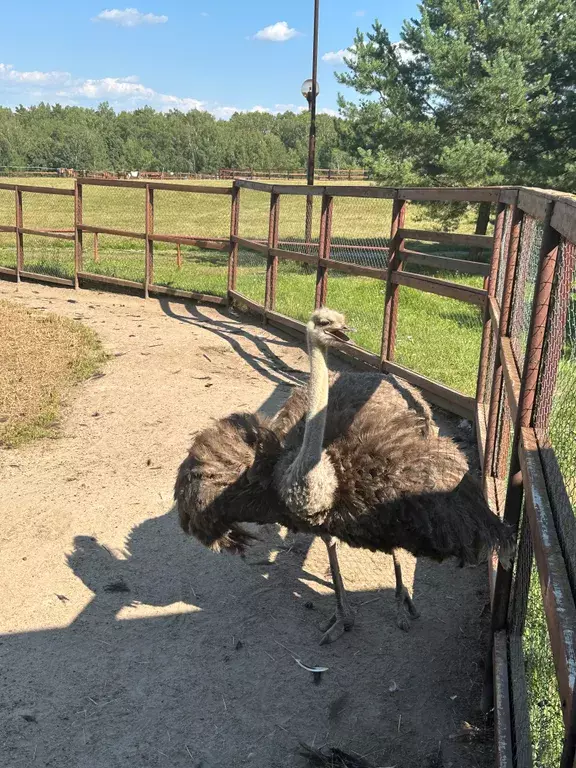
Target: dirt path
[(124, 643)]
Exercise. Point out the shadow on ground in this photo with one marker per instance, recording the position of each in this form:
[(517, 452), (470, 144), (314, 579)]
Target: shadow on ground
[(214, 681)]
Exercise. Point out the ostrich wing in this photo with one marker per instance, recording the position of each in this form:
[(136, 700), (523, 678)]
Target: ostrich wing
[(226, 479)]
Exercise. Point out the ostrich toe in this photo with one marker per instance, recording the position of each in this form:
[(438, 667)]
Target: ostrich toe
[(339, 622)]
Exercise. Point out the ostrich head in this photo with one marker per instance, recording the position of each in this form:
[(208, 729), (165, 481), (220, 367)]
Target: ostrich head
[(327, 328)]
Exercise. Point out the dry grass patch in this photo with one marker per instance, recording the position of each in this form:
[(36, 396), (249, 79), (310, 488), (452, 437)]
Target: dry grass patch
[(41, 356)]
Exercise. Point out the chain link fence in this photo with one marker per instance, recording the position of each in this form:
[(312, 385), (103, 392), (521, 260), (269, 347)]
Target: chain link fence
[(7, 239), (440, 338), (182, 265), (523, 288), (253, 224)]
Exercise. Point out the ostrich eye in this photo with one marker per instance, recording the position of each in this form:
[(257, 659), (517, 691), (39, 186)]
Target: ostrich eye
[(324, 322)]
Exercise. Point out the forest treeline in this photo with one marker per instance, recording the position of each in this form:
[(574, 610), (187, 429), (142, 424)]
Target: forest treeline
[(46, 136)]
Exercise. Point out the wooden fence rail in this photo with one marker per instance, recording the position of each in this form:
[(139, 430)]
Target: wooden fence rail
[(509, 389)]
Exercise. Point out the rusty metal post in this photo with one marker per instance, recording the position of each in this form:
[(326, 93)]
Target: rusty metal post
[(272, 261), (78, 234), (482, 222), (149, 253), (394, 264), (234, 224), (19, 235), (491, 288), (526, 401), (555, 340), (95, 251), (497, 378), (324, 248), (178, 256)]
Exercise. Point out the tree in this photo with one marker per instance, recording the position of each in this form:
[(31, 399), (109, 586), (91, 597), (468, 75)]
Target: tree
[(475, 92)]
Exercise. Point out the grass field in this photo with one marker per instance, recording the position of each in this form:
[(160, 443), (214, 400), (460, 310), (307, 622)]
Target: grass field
[(43, 356), (445, 348)]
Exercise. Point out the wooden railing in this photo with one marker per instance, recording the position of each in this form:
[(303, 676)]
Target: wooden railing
[(525, 302)]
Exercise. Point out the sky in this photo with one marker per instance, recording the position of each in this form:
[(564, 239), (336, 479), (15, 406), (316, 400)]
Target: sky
[(218, 55)]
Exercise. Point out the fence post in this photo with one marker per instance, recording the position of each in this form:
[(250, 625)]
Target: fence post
[(482, 222), (149, 254), (492, 280), (324, 248), (497, 378), (96, 252), (233, 254), (526, 401), (78, 234), (19, 235), (394, 264), (272, 261)]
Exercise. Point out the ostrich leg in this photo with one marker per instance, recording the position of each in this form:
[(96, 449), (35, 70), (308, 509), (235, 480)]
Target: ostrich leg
[(343, 618), (406, 607)]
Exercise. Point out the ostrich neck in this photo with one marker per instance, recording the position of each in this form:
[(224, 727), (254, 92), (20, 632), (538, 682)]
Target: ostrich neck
[(311, 451)]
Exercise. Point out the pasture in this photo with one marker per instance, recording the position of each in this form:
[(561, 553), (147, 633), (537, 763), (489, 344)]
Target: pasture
[(446, 349)]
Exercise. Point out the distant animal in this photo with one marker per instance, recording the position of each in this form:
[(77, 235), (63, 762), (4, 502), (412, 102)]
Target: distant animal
[(355, 459)]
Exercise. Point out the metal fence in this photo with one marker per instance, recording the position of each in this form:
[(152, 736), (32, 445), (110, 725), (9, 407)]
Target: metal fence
[(484, 324)]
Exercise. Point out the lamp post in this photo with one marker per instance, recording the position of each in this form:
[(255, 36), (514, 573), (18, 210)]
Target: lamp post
[(310, 91)]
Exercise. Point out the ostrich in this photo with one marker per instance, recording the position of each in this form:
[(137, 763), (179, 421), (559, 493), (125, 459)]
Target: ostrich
[(355, 460)]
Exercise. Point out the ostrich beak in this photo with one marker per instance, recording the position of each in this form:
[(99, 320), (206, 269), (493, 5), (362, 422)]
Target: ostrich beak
[(341, 333)]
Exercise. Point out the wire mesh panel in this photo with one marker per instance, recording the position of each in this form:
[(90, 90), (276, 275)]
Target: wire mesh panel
[(361, 299), (254, 215), (48, 212), (524, 283), (360, 231), (292, 234), (556, 406), (516, 624), (114, 207), (504, 440), (544, 708), (48, 256), (7, 239), (295, 289), (251, 275), (189, 268), (440, 338), (503, 254), (121, 257), (191, 213), (492, 343)]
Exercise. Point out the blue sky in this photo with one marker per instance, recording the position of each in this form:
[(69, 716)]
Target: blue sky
[(216, 55)]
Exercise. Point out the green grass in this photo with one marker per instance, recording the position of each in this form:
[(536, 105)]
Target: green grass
[(437, 337), (544, 710)]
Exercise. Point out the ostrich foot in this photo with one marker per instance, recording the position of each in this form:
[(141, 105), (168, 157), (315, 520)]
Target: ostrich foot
[(341, 621), (406, 609)]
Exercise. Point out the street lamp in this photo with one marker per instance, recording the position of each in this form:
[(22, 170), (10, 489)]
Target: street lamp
[(310, 91)]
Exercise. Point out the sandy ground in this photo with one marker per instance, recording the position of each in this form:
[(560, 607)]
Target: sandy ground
[(124, 643)]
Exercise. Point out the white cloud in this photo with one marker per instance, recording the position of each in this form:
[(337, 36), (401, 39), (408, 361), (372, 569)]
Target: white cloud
[(129, 17), (203, 13), (360, 13), (11, 75), (277, 33), (129, 91), (224, 113), (328, 111), (123, 93), (404, 53), (336, 58)]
